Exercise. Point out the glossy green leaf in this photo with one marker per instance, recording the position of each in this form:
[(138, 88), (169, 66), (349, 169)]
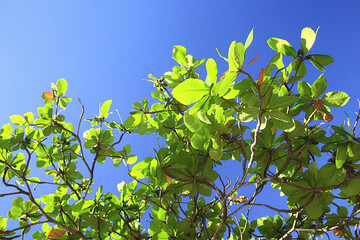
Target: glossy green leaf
[(18, 202), (319, 87), (212, 70), (352, 187), (314, 209), (335, 99), (304, 89), (190, 91), (239, 53), (283, 121), (131, 159), (233, 64), (308, 37), (224, 85), (281, 45), (282, 102), (104, 110), (29, 117), (323, 59), (317, 64), (288, 51), (17, 120), (141, 169), (216, 154), (341, 156), (247, 114), (192, 122), (179, 54), (249, 39), (3, 223), (61, 86)]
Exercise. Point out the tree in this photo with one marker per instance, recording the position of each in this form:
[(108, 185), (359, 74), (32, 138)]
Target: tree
[(273, 129)]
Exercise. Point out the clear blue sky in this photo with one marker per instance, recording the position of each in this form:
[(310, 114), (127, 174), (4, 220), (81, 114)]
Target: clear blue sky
[(104, 49)]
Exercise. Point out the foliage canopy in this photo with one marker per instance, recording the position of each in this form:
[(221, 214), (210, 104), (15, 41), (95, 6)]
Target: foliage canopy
[(273, 128)]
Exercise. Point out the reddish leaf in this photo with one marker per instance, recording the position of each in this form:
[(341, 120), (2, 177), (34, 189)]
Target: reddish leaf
[(48, 95), (252, 61), (222, 77), (227, 124), (317, 103), (56, 233), (261, 77), (338, 232), (300, 167), (326, 117), (168, 179)]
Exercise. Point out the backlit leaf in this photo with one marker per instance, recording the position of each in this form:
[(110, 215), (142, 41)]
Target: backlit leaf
[(308, 37), (335, 99), (190, 91)]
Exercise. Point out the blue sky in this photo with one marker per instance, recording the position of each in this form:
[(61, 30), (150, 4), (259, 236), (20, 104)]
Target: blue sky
[(104, 49)]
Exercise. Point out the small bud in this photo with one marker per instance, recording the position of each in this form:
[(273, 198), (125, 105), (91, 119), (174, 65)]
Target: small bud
[(240, 199)]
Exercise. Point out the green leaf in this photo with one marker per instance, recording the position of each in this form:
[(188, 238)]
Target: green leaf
[(282, 121), (104, 111), (223, 86), (318, 87), (131, 159), (212, 70), (302, 70), (98, 193), (233, 64), (158, 213), (179, 54), (141, 169), (18, 202), (282, 46), (247, 114), (29, 117), (15, 213), (204, 190), (335, 99), (3, 223), (331, 176), (249, 39), (308, 37), (317, 64), (190, 91), (288, 51), (282, 102), (239, 53), (341, 156), (192, 122), (198, 141), (304, 89), (17, 120), (314, 209), (352, 187), (61, 86), (216, 154), (323, 59)]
